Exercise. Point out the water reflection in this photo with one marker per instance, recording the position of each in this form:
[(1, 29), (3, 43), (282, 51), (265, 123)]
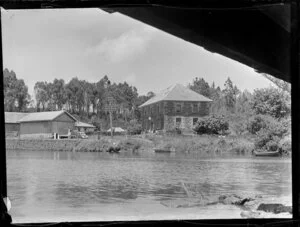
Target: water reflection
[(66, 181)]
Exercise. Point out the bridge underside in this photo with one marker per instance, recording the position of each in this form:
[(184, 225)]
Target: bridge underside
[(253, 32), (259, 38)]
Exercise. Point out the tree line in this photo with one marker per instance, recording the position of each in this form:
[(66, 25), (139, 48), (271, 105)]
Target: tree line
[(86, 100), (274, 100)]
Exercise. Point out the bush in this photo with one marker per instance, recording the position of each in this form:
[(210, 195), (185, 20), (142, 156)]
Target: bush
[(271, 101), (270, 136), (285, 144), (211, 125), (263, 137), (256, 123), (134, 128), (175, 130), (238, 124)]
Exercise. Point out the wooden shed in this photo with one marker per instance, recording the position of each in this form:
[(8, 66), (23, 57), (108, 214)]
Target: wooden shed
[(45, 124), (12, 125), (84, 127)]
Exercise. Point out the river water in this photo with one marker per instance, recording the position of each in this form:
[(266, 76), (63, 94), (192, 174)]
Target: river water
[(68, 186)]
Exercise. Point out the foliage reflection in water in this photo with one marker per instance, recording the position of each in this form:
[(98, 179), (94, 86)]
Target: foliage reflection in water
[(48, 186)]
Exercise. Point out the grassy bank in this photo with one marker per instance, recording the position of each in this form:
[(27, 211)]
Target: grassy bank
[(181, 143), (105, 144), (203, 143)]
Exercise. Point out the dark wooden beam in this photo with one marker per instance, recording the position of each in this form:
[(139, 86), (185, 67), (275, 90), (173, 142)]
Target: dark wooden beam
[(191, 4), (248, 36), (253, 32)]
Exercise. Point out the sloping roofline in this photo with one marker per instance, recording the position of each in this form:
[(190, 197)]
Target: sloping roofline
[(177, 92), (14, 117), (45, 116), (84, 125)]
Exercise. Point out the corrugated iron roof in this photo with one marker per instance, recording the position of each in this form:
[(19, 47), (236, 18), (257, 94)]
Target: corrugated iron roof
[(177, 92), (44, 116), (84, 125), (14, 117), (116, 129)]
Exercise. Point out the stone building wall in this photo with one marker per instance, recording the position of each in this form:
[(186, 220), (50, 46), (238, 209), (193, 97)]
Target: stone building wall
[(162, 115), (186, 122), (186, 108)]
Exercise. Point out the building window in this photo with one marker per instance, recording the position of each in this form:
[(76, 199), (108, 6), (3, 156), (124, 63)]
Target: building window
[(177, 107), (161, 107), (178, 122), (202, 105), (195, 119), (195, 108)]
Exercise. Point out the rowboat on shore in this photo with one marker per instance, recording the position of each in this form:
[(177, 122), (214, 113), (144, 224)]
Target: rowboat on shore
[(164, 150), (267, 153)]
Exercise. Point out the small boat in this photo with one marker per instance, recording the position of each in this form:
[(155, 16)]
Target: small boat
[(267, 153), (164, 150)]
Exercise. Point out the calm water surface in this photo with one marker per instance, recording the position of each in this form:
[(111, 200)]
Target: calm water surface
[(65, 186)]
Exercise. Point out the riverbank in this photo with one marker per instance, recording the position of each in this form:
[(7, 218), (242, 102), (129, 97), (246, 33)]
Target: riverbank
[(203, 143), (105, 144), (179, 143)]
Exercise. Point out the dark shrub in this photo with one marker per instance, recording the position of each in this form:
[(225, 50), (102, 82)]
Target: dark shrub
[(271, 101), (174, 130), (134, 127), (256, 123), (211, 125), (263, 137), (269, 137), (272, 145)]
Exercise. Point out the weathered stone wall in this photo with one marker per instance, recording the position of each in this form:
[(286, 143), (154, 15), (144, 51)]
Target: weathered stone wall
[(186, 122), (154, 116), (186, 108)]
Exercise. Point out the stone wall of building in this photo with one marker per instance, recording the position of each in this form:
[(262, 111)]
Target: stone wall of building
[(186, 123), (162, 115), (186, 108)]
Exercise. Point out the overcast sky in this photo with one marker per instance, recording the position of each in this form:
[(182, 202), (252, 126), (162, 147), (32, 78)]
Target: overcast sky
[(40, 45)]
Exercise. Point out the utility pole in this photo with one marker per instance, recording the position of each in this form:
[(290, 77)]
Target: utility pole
[(110, 106), (111, 125)]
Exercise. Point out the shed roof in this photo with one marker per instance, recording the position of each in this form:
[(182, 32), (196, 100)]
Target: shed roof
[(84, 125), (45, 116), (14, 117), (116, 129), (177, 92)]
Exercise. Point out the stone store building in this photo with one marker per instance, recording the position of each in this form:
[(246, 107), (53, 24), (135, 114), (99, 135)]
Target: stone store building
[(177, 106)]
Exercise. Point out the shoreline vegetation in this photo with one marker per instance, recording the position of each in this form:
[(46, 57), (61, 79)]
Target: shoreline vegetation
[(206, 144), (238, 121)]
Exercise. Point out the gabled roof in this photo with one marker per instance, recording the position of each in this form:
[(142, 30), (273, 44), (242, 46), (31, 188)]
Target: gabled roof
[(116, 129), (177, 92), (45, 116), (14, 117), (84, 125)]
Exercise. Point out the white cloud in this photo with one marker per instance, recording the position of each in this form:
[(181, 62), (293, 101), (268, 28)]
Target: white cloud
[(127, 46)]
